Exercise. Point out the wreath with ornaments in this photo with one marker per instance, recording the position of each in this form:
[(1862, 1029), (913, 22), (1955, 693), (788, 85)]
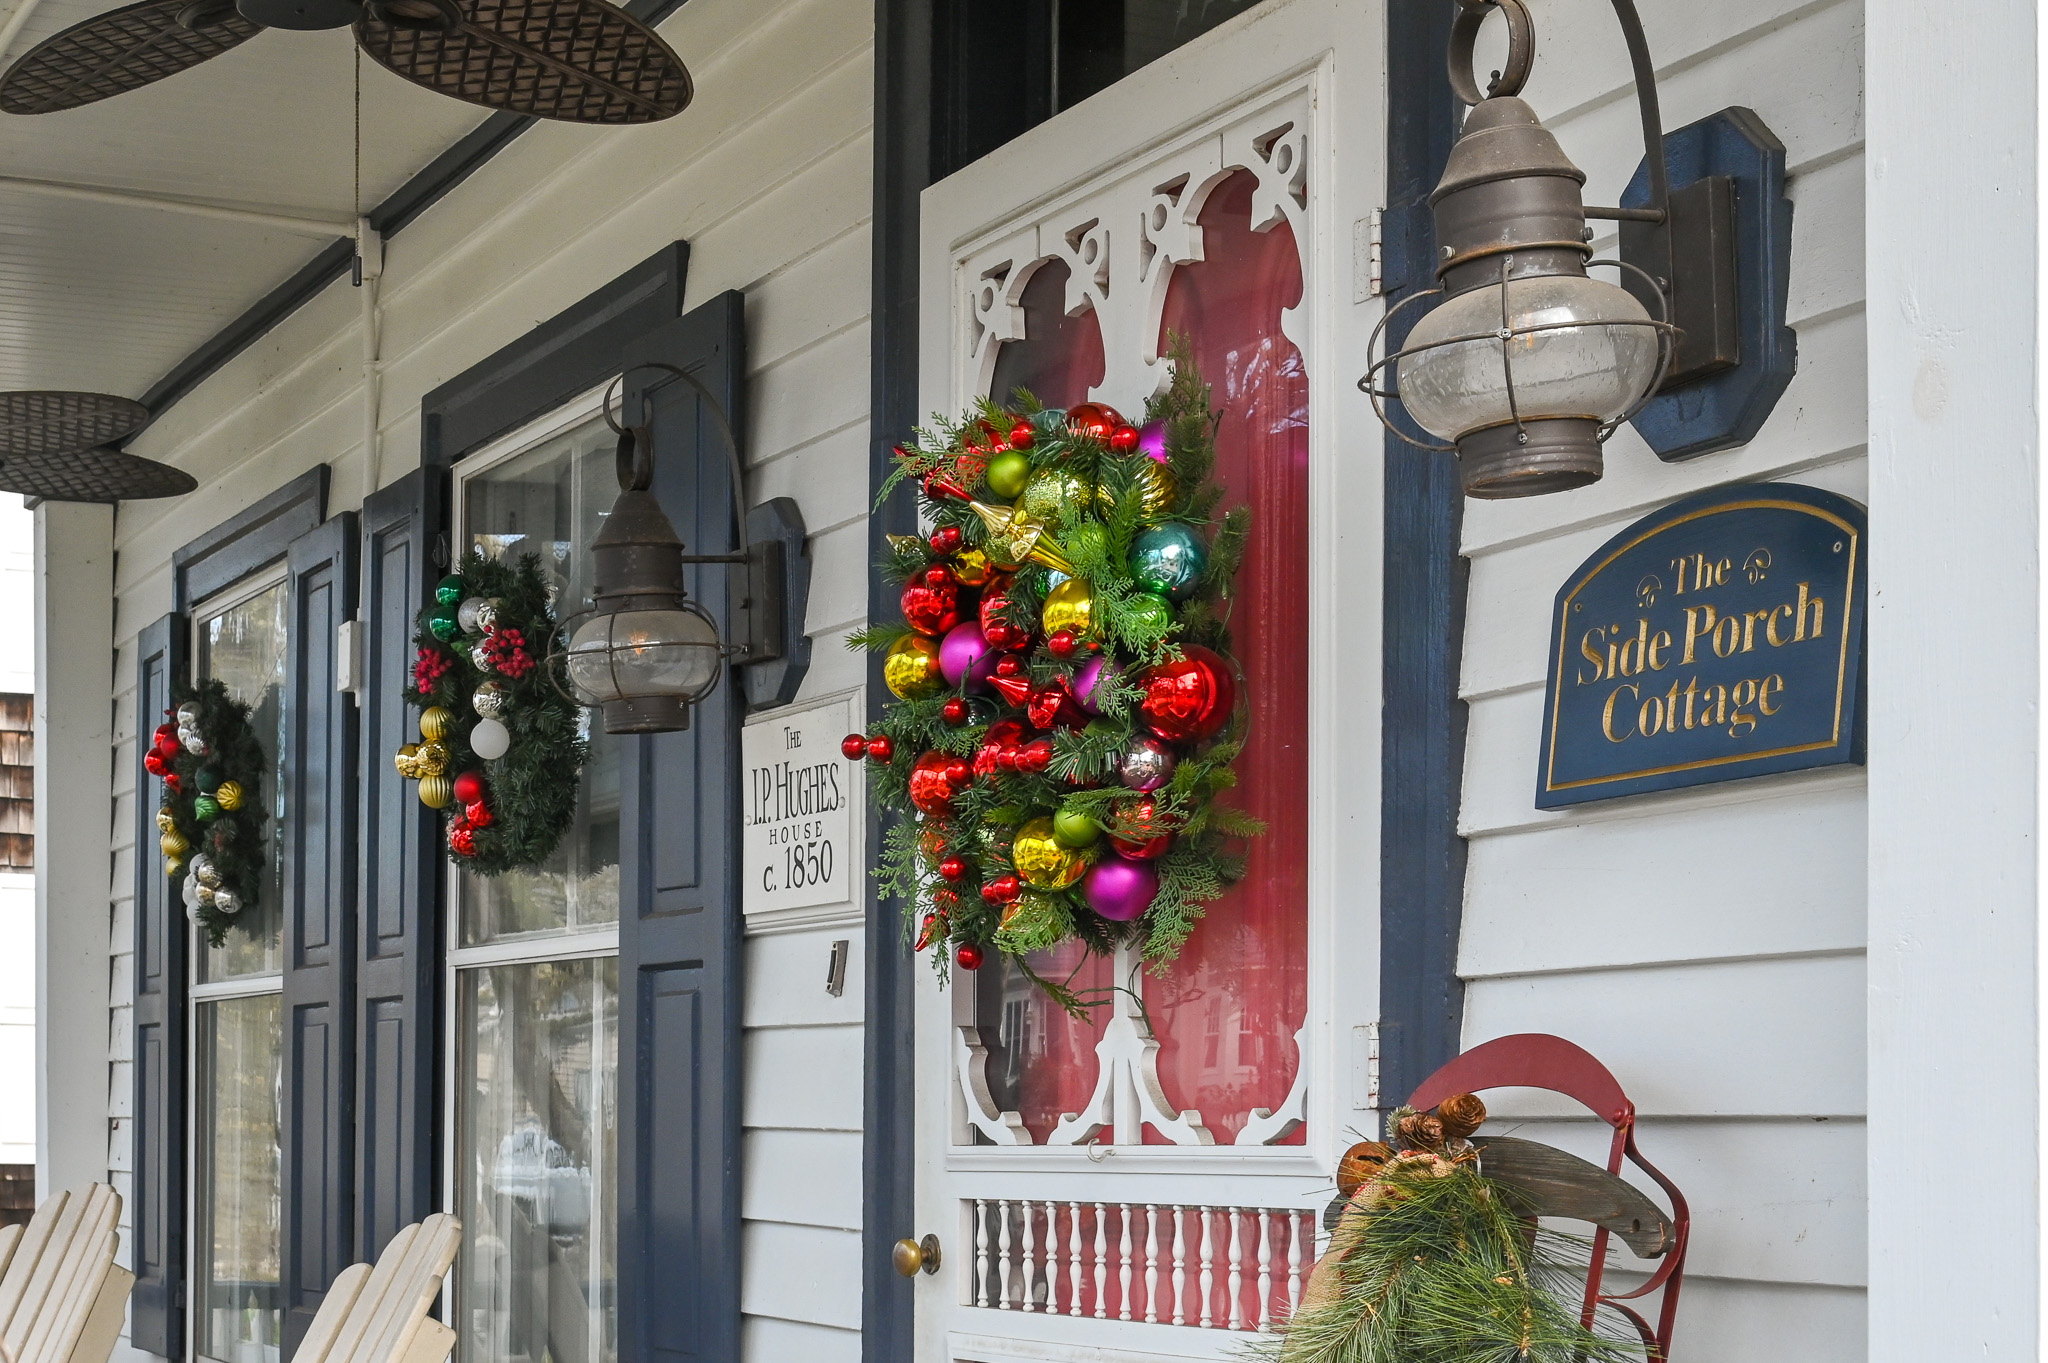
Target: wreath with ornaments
[(210, 817), (501, 748), (1067, 710)]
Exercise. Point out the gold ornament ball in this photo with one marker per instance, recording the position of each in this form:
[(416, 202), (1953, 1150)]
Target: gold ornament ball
[(911, 668), (1070, 606), (436, 792), (407, 760), (1040, 860), (228, 795), (173, 865), (972, 567), (435, 723), (1158, 487), (173, 843), (1056, 496), (165, 823), (431, 759)]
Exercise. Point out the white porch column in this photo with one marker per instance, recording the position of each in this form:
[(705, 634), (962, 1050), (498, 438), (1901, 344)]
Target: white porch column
[(1954, 1034), (74, 591)]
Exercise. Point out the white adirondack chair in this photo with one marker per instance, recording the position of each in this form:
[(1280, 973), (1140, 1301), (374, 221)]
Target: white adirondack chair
[(380, 1314), (62, 1296)]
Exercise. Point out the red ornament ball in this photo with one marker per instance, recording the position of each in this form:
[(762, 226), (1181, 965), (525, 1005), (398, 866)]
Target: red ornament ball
[(854, 746), (932, 786), (153, 763), (968, 956), (954, 712), (1190, 699), (172, 783), (168, 747), (1061, 643), (1143, 817), (1037, 755), (1123, 439), (952, 868), (1011, 666), (1093, 419), (478, 814), (930, 608), (1023, 436), (881, 748), (469, 788), (1004, 889), (946, 539)]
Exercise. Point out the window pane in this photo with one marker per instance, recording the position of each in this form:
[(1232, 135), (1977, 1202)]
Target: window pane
[(244, 648), (551, 501), (1102, 41), (537, 1138), (1041, 1062), (238, 1295)]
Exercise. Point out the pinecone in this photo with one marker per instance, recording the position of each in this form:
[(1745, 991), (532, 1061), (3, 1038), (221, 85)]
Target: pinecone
[(1461, 1115), (1419, 1131)]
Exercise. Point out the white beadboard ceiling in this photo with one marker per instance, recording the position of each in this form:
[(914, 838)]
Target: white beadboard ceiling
[(110, 296)]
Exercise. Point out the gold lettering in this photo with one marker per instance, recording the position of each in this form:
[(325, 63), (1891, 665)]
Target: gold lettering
[(1773, 686), (1634, 663), (1659, 641), (1678, 566), (1741, 694), (1591, 655), (1749, 628), (1607, 715), (1694, 630), (1771, 627), (1650, 717), (1720, 571), (1719, 709), (1692, 691), (1732, 627), (1671, 710), (1799, 614)]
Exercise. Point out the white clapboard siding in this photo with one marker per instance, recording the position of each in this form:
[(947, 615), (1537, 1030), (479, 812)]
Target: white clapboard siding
[(1706, 944), (768, 176)]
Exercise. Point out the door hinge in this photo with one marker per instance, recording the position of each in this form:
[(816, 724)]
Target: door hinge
[(348, 657), (1368, 257), (1365, 1067)]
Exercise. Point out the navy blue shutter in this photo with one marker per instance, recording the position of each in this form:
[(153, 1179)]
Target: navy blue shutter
[(318, 842), (679, 934), (398, 924), (157, 1304)]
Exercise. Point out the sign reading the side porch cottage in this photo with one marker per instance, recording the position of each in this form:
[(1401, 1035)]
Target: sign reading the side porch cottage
[(1717, 638), (798, 798)]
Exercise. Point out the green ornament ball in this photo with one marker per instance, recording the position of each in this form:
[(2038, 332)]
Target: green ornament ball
[(208, 779), (445, 629), (1169, 559), (1008, 472), (206, 809), (449, 591), (1150, 611), (1074, 828)]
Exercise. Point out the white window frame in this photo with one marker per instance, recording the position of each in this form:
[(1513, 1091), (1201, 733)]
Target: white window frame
[(568, 944), (199, 994)]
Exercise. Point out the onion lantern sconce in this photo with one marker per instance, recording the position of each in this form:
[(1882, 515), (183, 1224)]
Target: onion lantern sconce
[(1527, 364), (644, 652)]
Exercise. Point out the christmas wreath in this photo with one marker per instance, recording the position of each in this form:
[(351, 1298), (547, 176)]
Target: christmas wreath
[(500, 745), (1431, 1261), (211, 813), (1067, 709)]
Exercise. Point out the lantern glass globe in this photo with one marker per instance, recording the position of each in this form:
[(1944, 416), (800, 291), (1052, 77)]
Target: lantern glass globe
[(621, 655), (1596, 366)]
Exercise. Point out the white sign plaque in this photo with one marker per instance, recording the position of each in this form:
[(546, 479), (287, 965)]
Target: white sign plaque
[(802, 801)]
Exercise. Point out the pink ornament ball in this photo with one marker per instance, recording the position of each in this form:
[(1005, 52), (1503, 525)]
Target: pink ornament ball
[(1120, 890), (1086, 678), (1152, 441), (964, 653)]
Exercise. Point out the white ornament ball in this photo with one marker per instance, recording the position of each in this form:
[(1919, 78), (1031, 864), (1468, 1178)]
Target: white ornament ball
[(466, 614), (489, 700), (187, 713), (490, 740), (206, 897)]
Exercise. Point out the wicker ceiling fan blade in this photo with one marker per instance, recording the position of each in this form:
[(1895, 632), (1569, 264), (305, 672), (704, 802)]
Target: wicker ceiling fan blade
[(98, 475), (121, 50), (579, 61), (36, 423)]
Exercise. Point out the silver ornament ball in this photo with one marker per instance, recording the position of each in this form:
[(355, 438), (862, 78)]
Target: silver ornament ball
[(489, 701), (207, 898), (481, 659), (1147, 765), (487, 614), (188, 713), (466, 614), (196, 746), (227, 902)]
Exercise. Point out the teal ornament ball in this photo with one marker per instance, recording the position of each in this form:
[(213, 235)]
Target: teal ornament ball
[(449, 591), (207, 780), (1169, 559), (1151, 611), (206, 809), (445, 629), (1050, 421)]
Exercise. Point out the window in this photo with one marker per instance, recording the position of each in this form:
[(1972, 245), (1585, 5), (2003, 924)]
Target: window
[(535, 978), (239, 639)]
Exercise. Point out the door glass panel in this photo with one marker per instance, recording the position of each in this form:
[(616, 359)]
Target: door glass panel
[(1102, 41), (1060, 357), (243, 647), (1041, 1062), (537, 1139), (1227, 1010), (551, 501), (237, 1294)]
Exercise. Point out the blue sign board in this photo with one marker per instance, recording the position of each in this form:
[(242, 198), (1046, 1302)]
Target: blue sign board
[(1717, 638)]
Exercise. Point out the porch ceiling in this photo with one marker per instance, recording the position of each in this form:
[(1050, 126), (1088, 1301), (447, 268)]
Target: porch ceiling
[(110, 296)]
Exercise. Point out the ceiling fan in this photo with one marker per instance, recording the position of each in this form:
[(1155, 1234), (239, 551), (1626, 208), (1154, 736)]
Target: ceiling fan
[(580, 61), (56, 446)]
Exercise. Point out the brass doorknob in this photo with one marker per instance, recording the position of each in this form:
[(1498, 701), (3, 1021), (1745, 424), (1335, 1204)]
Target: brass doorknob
[(912, 1257)]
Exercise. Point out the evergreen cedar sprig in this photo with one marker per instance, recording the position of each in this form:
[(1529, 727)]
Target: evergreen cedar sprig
[(1203, 861), (1437, 1264), (234, 839), (532, 788)]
